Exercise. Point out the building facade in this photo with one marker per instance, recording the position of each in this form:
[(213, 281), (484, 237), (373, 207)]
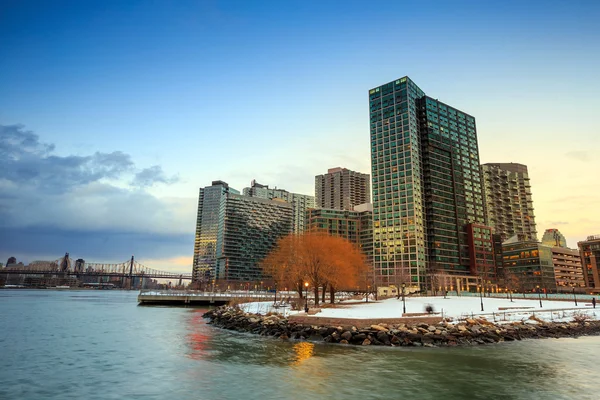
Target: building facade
[(589, 251), (252, 228), (528, 266), (567, 269), (508, 199), (356, 226), (342, 189), (210, 230), (300, 202), (481, 252), (426, 184), (234, 233)]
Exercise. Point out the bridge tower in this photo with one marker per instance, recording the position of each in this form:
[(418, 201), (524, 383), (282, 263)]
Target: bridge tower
[(131, 274)]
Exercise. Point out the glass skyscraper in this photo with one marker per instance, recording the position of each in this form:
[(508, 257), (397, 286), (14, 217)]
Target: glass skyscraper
[(426, 184), (234, 233)]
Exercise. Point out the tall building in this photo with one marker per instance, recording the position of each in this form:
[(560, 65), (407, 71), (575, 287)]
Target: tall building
[(427, 184), (342, 189), (589, 250), (234, 233), (508, 200), (300, 202), (553, 238)]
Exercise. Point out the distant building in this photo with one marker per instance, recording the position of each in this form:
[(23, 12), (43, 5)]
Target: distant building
[(234, 233), (553, 238), (342, 189), (589, 250), (300, 202), (508, 200), (528, 265)]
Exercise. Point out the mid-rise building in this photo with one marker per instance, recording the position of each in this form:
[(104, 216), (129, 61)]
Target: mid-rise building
[(589, 250), (342, 189), (300, 202), (528, 265), (356, 226), (427, 184), (234, 233), (567, 269), (508, 199), (553, 238)]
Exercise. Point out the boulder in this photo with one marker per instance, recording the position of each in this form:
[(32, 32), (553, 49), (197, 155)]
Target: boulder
[(347, 335), (366, 342), (379, 328)]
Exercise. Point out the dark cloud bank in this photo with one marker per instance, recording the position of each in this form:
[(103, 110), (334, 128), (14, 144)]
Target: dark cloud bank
[(50, 204)]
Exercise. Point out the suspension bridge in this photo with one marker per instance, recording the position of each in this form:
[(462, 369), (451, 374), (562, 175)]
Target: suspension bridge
[(67, 267)]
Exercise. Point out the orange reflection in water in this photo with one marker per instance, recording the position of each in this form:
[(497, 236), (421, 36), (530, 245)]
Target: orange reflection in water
[(196, 340), (304, 351)]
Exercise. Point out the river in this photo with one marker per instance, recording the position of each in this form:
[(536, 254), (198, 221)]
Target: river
[(101, 345)]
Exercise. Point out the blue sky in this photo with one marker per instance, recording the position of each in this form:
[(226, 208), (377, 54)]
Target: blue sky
[(138, 104)]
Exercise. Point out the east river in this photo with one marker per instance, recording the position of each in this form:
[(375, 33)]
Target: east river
[(101, 345)]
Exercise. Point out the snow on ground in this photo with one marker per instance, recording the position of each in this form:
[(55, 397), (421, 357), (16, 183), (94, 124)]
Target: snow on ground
[(452, 307)]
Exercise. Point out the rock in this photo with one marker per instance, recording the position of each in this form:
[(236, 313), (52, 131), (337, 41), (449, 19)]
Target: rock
[(359, 337), (343, 341), (382, 336), (461, 328), (378, 328), (252, 320), (432, 328), (283, 337), (395, 340), (366, 342), (347, 335)]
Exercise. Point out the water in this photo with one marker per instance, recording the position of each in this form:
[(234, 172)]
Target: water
[(101, 345)]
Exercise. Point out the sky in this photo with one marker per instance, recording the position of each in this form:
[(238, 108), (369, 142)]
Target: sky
[(113, 114)]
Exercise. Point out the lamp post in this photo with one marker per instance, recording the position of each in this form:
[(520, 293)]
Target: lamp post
[(306, 297), (481, 295), (575, 297), (539, 295), (403, 300)]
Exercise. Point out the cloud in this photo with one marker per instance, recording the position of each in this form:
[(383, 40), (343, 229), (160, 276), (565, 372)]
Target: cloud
[(579, 155), (84, 204), (149, 176)]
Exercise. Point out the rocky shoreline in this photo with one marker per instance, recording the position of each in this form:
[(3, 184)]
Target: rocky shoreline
[(469, 332)]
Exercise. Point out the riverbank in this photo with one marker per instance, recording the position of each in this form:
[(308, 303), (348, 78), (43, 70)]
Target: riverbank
[(474, 331)]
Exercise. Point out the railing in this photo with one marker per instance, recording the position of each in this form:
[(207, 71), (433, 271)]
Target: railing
[(550, 296), (226, 294)]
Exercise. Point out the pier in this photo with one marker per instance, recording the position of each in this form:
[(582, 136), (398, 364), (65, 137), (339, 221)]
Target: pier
[(199, 298)]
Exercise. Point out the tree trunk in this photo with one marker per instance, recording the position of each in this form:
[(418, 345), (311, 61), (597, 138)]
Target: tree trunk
[(331, 294), (316, 295), (323, 294)]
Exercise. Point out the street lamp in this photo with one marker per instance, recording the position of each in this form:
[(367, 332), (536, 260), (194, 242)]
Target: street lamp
[(539, 295), (403, 300), (481, 296), (575, 297), (306, 297)]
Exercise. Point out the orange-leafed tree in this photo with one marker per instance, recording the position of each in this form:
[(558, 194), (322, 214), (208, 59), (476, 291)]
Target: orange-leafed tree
[(324, 261)]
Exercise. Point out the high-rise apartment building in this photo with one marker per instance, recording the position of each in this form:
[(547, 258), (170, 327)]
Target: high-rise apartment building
[(528, 265), (553, 238), (342, 189), (300, 202), (589, 250), (508, 200), (234, 233), (568, 270), (427, 184)]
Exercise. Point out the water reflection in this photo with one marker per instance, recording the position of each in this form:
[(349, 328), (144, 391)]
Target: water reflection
[(304, 351)]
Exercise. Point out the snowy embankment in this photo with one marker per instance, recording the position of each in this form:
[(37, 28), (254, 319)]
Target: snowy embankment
[(452, 307)]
